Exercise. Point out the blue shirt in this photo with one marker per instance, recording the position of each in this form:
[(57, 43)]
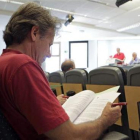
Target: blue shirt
[(135, 61)]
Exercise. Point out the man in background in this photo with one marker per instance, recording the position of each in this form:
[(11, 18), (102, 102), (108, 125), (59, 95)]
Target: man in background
[(67, 65), (135, 59), (26, 99), (119, 55)]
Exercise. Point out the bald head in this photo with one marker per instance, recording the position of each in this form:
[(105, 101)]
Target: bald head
[(118, 50), (67, 65), (134, 55)]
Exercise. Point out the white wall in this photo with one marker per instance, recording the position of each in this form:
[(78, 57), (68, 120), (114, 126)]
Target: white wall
[(93, 55), (64, 53), (103, 52), (127, 47), (107, 48)]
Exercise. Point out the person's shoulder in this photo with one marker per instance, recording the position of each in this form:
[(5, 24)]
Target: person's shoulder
[(21, 59), (122, 53)]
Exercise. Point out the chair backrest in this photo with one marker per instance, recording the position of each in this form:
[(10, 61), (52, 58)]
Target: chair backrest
[(133, 76), (124, 73), (6, 131), (85, 71), (57, 77), (76, 76), (106, 76), (111, 76)]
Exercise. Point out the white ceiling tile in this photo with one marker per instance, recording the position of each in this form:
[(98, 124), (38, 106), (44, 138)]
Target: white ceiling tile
[(99, 14)]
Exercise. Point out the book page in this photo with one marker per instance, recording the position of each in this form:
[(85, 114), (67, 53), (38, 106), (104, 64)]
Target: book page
[(118, 60), (77, 103), (113, 89), (95, 108)]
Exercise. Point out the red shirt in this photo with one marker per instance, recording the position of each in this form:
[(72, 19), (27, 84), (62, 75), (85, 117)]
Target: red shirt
[(119, 56), (26, 98)]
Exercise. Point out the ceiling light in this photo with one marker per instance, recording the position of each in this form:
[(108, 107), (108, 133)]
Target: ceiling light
[(129, 27), (16, 2), (4, 0)]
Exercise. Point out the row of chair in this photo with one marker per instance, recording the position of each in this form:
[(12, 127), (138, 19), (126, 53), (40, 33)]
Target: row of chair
[(101, 78), (103, 74)]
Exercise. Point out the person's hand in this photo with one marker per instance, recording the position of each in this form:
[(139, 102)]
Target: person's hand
[(132, 58), (61, 99), (111, 114)]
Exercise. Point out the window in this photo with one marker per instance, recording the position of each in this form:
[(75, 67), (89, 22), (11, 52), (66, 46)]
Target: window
[(78, 52), (53, 63)]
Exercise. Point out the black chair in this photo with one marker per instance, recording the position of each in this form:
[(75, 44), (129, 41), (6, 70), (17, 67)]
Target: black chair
[(56, 80), (133, 79), (133, 76), (57, 77), (124, 73), (106, 76), (111, 76), (85, 71), (6, 131), (76, 76)]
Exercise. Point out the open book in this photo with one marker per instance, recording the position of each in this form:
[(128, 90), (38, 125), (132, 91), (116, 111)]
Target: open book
[(118, 60), (88, 106), (114, 61)]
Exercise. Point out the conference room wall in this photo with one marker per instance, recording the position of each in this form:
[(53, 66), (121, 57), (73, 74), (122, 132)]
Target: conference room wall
[(107, 48), (103, 52), (127, 47), (92, 53)]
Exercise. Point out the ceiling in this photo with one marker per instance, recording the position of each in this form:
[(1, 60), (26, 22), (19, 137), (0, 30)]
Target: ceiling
[(102, 14)]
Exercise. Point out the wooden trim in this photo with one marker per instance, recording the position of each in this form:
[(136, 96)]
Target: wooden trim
[(72, 87), (132, 95)]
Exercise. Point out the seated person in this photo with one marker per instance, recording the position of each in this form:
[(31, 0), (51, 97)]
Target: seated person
[(67, 65), (135, 59), (119, 55)]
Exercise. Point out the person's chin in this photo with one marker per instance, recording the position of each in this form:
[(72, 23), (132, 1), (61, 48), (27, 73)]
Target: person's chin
[(43, 59)]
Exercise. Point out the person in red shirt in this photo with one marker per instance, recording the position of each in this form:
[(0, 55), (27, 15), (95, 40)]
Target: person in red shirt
[(119, 55), (26, 99)]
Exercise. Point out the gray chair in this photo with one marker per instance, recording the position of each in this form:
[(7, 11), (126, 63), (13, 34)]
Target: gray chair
[(124, 73), (133, 76), (111, 76), (106, 76), (133, 79), (76, 76), (57, 77)]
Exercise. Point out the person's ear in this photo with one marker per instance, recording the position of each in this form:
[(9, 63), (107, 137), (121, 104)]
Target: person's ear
[(34, 32)]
